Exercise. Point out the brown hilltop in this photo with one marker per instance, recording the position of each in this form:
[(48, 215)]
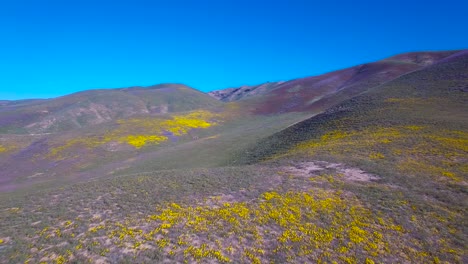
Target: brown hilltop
[(317, 93)]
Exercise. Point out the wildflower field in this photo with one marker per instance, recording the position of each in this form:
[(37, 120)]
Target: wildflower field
[(138, 132), (251, 215)]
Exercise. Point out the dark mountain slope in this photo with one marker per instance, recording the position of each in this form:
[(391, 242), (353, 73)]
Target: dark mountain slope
[(320, 92)]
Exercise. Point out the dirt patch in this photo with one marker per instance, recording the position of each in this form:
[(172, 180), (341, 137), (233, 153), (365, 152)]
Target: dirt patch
[(355, 174), (314, 168)]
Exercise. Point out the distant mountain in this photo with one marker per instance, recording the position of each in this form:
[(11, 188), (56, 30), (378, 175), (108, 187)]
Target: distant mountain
[(246, 91), (94, 107), (319, 92)]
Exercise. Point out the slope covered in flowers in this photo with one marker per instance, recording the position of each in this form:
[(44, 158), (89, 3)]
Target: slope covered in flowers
[(305, 219), (138, 132), (291, 226)]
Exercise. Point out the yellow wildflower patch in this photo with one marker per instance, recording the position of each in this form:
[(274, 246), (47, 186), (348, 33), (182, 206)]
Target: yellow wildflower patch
[(309, 223), (138, 132), (139, 141), (7, 147), (376, 155)]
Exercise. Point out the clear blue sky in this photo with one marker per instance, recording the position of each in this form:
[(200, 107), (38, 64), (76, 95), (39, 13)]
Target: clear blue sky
[(51, 48)]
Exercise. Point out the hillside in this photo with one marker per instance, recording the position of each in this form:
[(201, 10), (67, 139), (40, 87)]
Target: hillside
[(362, 165), (317, 93), (94, 107), (435, 95), (409, 140), (235, 94)]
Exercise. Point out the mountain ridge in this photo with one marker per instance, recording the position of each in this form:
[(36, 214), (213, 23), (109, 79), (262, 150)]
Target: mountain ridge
[(422, 59)]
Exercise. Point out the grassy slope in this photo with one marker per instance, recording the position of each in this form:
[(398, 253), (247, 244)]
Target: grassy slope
[(83, 157), (433, 95), (216, 146), (25, 159)]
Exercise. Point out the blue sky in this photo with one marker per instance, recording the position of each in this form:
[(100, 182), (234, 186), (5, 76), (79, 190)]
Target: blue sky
[(52, 48)]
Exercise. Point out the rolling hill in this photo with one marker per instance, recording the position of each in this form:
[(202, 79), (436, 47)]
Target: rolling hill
[(94, 107), (361, 165), (317, 93)]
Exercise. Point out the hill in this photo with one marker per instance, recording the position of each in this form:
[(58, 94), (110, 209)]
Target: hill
[(434, 95), (94, 107), (317, 93)]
